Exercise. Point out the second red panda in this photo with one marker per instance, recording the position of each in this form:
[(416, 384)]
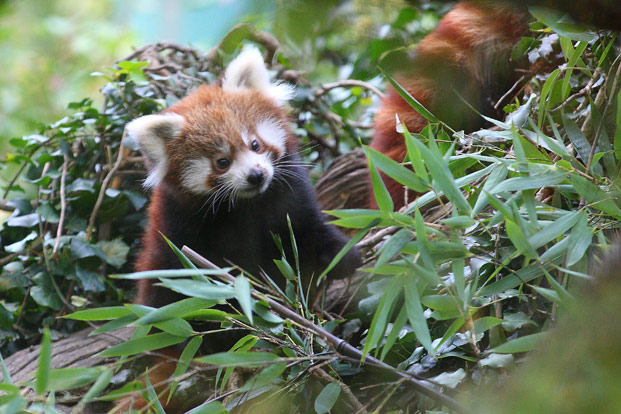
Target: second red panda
[(466, 56)]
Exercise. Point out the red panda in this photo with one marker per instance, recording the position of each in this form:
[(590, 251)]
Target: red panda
[(466, 55), (226, 174)]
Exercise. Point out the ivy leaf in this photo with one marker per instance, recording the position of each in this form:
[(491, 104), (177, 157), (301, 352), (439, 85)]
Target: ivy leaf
[(115, 251)]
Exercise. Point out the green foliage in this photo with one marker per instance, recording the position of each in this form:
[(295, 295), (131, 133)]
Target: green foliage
[(46, 48)]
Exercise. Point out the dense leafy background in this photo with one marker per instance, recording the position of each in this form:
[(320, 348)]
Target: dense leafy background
[(459, 285)]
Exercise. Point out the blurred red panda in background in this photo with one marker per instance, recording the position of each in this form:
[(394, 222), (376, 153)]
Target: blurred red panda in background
[(467, 56)]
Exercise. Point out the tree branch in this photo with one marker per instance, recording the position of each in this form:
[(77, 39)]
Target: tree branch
[(102, 191)]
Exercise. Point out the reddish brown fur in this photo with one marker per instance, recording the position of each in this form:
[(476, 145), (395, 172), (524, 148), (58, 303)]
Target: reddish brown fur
[(466, 51)]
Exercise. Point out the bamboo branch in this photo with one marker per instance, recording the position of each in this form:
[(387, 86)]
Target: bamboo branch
[(340, 346), (601, 122)]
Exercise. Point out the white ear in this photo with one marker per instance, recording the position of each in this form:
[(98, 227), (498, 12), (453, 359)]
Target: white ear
[(151, 132), (248, 71)]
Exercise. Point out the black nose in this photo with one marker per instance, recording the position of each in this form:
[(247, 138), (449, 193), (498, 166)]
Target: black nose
[(255, 177)]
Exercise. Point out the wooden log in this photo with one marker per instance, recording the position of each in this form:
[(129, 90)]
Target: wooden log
[(76, 350)]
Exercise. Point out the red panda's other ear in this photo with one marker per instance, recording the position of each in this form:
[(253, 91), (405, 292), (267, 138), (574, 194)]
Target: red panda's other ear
[(248, 71), (150, 133)]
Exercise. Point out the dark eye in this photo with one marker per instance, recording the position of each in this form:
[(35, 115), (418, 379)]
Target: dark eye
[(255, 146), (223, 163)]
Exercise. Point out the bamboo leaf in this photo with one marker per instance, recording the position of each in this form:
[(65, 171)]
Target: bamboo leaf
[(99, 314), (142, 344), (413, 102), (264, 377), (381, 315), (45, 360), (187, 263), (154, 401), (530, 182), (68, 378), (439, 170), (174, 310), (565, 298), (555, 229), (211, 407), (579, 141), (595, 196), (6, 376), (351, 243), (382, 196), (193, 288), (553, 20), (154, 274), (617, 138), (515, 279), (545, 91), (246, 359), (102, 382), (392, 247), (416, 315), (415, 157), (396, 171), (184, 361), (397, 325), (242, 294), (519, 239), (580, 239), (496, 176), (460, 182)]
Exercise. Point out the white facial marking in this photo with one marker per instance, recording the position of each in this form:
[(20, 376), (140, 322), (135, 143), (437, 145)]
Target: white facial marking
[(151, 133), (248, 71), (195, 174), (272, 133), (245, 161)]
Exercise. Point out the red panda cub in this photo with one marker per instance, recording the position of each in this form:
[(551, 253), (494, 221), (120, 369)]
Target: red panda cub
[(467, 55), (225, 172)]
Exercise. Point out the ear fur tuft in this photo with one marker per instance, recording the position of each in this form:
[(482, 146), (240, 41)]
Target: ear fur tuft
[(248, 71), (150, 132)]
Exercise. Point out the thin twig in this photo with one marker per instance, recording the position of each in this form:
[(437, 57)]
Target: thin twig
[(510, 91), (63, 206), (4, 206), (102, 191), (339, 119), (586, 90), (341, 346), (601, 122), (7, 259), (19, 172), (348, 82), (373, 239)]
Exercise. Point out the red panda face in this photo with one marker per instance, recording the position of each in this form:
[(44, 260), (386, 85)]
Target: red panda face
[(219, 142), (239, 162)]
